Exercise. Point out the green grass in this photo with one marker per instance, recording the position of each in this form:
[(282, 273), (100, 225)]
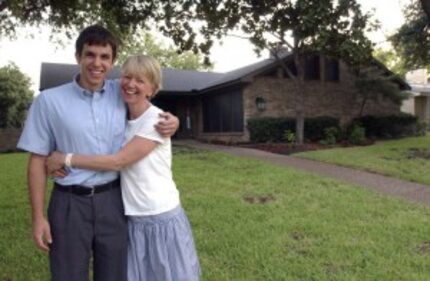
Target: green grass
[(254, 221), (407, 159)]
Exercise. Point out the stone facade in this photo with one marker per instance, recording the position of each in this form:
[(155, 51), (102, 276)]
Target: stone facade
[(322, 98), (8, 139)]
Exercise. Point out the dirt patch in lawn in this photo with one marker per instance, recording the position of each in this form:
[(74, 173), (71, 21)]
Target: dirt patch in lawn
[(421, 153), (259, 199), (424, 248)]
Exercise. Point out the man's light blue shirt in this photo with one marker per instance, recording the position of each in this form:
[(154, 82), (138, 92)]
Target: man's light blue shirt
[(70, 119)]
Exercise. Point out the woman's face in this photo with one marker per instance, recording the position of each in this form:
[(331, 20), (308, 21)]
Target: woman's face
[(135, 89)]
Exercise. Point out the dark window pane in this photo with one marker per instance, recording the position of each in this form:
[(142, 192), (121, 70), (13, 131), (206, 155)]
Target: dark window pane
[(223, 112), (312, 67), (331, 70)]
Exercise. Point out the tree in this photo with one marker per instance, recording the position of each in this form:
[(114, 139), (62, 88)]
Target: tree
[(143, 42), (333, 27), (15, 96), (171, 18), (372, 83), (392, 60), (412, 40)]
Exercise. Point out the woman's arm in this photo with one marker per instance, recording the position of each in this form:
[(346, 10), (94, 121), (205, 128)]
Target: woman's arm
[(134, 150)]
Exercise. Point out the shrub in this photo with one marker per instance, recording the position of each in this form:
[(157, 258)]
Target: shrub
[(289, 136), (274, 128), (270, 128), (357, 135), (331, 134), (315, 127), (421, 128), (391, 126)]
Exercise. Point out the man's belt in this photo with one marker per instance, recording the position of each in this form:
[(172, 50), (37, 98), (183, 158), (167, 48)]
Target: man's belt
[(87, 190)]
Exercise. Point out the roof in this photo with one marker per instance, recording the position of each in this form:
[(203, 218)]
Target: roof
[(397, 79), (420, 89), (174, 80), (181, 81)]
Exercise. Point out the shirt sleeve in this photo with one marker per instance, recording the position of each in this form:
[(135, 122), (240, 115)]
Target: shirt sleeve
[(37, 136), (147, 130)]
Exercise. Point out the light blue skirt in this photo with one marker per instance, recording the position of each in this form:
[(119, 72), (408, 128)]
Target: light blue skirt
[(161, 248)]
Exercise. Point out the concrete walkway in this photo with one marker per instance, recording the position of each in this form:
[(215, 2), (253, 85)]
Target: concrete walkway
[(414, 192)]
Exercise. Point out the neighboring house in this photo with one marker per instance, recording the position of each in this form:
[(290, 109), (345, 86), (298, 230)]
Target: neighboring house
[(419, 102), (216, 106)]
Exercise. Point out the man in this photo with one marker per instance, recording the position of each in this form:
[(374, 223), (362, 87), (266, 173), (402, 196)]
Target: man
[(85, 213)]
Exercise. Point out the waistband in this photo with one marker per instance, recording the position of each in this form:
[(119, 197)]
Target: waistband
[(87, 190)]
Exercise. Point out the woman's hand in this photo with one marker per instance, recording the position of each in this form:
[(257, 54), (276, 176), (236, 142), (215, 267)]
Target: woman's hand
[(55, 164)]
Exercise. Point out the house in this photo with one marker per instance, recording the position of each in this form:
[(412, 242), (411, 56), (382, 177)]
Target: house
[(419, 102), (216, 106)]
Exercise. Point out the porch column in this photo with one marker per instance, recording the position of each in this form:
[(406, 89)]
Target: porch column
[(426, 110)]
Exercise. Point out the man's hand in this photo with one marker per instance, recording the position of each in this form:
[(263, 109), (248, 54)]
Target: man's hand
[(55, 164), (168, 125), (42, 234)]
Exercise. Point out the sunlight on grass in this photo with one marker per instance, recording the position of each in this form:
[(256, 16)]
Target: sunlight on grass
[(407, 159)]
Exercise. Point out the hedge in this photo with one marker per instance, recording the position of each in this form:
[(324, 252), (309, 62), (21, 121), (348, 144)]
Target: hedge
[(391, 126), (273, 128)]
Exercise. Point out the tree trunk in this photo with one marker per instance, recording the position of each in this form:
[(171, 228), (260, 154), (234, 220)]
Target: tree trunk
[(363, 103), (300, 93)]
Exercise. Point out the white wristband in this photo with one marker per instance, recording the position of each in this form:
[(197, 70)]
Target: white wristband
[(68, 160)]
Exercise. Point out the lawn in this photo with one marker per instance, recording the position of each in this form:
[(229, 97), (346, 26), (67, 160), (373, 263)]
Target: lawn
[(254, 221), (407, 158)]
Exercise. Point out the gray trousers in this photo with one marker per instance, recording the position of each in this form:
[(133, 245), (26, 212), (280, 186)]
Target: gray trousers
[(82, 227)]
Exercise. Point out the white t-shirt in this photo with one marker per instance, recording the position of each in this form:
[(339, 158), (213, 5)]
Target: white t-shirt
[(147, 186)]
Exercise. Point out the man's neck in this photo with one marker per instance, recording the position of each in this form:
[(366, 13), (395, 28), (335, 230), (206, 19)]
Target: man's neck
[(89, 88)]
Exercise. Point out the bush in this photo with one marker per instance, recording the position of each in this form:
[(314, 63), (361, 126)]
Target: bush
[(422, 128), (391, 126), (357, 135), (315, 127), (289, 136), (273, 128), (331, 135)]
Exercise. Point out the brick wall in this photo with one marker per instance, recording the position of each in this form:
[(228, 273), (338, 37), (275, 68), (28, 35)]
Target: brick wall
[(336, 99), (322, 98), (9, 139)]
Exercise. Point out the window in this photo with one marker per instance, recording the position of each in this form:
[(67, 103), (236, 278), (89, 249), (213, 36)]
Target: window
[(223, 112), (312, 67), (331, 70)]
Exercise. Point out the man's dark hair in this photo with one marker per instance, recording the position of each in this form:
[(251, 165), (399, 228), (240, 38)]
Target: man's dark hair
[(96, 35)]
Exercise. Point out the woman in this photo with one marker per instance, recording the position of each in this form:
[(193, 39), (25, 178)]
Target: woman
[(161, 245)]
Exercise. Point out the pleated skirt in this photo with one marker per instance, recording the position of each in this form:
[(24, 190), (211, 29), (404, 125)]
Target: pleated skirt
[(161, 248)]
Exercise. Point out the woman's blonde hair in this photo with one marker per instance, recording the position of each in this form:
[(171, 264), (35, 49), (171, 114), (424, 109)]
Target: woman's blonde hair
[(143, 65)]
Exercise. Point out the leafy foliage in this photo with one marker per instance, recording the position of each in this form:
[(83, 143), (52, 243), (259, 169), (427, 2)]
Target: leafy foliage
[(372, 83), (412, 40), (391, 126), (357, 135), (392, 60), (333, 27), (15, 96), (278, 129), (142, 42)]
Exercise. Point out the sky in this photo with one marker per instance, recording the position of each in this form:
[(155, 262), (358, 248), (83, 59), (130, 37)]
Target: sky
[(234, 52)]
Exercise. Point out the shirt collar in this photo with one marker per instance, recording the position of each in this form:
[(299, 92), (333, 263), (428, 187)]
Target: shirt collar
[(84, 92)]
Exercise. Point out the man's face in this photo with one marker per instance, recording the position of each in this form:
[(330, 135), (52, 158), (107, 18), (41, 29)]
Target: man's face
[(95, 62)]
